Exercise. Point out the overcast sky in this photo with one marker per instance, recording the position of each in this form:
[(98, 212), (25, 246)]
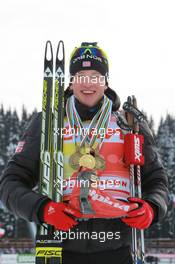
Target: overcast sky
[(138, 36)]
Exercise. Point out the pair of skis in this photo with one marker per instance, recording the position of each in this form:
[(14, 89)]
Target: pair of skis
[(51, 148)]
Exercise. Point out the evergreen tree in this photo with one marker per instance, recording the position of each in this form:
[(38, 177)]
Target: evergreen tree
[(165, 140), (11, 130), (14, 132), (152, 125), (2, 139), (24, 120)]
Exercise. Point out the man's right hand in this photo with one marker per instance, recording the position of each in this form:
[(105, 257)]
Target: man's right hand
[(60, 215)]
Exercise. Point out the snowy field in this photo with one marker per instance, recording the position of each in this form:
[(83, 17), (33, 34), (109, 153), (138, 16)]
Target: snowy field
[(17, 259), (30, 259)]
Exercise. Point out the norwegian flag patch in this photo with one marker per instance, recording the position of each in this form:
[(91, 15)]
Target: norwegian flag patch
[(86, 64), (20, 146)]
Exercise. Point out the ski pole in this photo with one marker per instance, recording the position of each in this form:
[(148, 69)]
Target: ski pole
[(130, 120), (134, 158), (138, 174)]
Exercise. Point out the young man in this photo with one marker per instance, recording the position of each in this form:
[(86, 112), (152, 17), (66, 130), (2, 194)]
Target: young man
[(96, 211)]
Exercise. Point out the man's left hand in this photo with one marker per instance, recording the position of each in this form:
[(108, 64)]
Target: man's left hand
[(140, 218)]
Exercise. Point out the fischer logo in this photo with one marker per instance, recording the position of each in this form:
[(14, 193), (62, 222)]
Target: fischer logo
[(59, 73), (137, 146), (106, 199), (47, 252), (48, 72)]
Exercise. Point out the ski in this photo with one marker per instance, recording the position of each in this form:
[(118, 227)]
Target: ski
[(45, 181), (58, 123), (48, 250)]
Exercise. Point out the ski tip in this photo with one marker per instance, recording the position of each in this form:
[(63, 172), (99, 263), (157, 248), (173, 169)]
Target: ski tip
[(134, 100), (48, 42), (129, 99), (48, 51), (60, 51), (62, 42)]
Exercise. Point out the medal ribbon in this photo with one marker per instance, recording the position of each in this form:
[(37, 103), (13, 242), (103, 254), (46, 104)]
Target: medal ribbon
[(103, 117)]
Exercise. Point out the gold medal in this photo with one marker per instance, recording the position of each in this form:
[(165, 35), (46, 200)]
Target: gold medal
[(74, 159), (87, 161), (86, 157), (100, 163)]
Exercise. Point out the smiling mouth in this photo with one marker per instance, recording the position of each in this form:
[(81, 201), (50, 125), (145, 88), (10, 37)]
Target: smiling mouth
[(88, 92)]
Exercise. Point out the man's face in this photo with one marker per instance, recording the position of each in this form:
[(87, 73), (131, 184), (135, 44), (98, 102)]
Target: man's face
[(88, 87)]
